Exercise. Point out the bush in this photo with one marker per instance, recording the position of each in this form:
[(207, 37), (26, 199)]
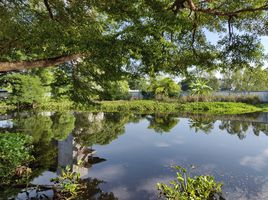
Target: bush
[(250, 99)]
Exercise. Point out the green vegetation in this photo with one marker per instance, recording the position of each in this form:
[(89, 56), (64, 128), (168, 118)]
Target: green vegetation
[(246, 79), (135, 105), (163, 88), (69, 185), (25, 90), (95, 47), (186, 188), (115, 90), (200, 87), (220, 108), (100, 46), (152, 106), (249, 99), (15, 154), (68, 182), (264, 107)]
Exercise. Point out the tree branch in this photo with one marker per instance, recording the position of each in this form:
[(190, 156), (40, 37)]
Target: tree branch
[(180, 4), (49, 62), (48, 9)]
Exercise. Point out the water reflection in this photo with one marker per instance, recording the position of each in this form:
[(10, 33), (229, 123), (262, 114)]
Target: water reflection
[(116, 148), (99, 128), (201, 124), (162, 123), (43, 126)]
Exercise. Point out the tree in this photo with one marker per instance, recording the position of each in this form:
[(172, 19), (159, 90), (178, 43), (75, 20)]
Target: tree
[(115, 90), (164, 88), (107, 40), (149, 34), (208, 77), (25, 90), (247, 79)]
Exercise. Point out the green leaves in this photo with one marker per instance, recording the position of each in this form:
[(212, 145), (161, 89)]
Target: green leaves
[(187, 188), (200, 87), (68, 182), (164, 88), (15, 151), (26, 90)]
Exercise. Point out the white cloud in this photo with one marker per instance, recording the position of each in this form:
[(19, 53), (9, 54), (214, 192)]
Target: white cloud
[(107, 173), (121, 192), (256, 162)]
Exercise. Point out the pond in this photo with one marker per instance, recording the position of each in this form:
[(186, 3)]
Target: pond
[(125, 155)]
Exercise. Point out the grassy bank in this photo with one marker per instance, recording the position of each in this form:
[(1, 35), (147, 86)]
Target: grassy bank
[(151, 106), (199, 107)]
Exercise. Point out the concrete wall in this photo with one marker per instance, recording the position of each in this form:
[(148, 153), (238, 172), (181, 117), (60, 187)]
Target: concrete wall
[(135, 94)]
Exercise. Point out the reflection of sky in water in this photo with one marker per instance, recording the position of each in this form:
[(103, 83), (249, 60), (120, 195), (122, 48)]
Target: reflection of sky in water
[(6, 123), (231, 151), (139, 159)]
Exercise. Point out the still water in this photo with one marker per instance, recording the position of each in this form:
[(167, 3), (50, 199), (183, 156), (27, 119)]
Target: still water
[(125, 154)]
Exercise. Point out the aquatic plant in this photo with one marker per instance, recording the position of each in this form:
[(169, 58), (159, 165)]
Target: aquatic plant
[(15, 154), (68, 183), (69, 186), (186, 188)]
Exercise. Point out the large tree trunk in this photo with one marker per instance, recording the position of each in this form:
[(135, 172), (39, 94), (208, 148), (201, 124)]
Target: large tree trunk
[(49, 62)]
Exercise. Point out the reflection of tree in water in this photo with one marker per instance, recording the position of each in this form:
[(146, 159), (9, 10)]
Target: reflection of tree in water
[(99, 128), (238, 128), (63, 124), (36, 125), (201, 124), (42, 126), (162, 122), (92, 191), (260, 127)]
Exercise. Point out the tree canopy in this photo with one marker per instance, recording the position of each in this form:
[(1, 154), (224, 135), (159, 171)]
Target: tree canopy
[(120, 36)]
